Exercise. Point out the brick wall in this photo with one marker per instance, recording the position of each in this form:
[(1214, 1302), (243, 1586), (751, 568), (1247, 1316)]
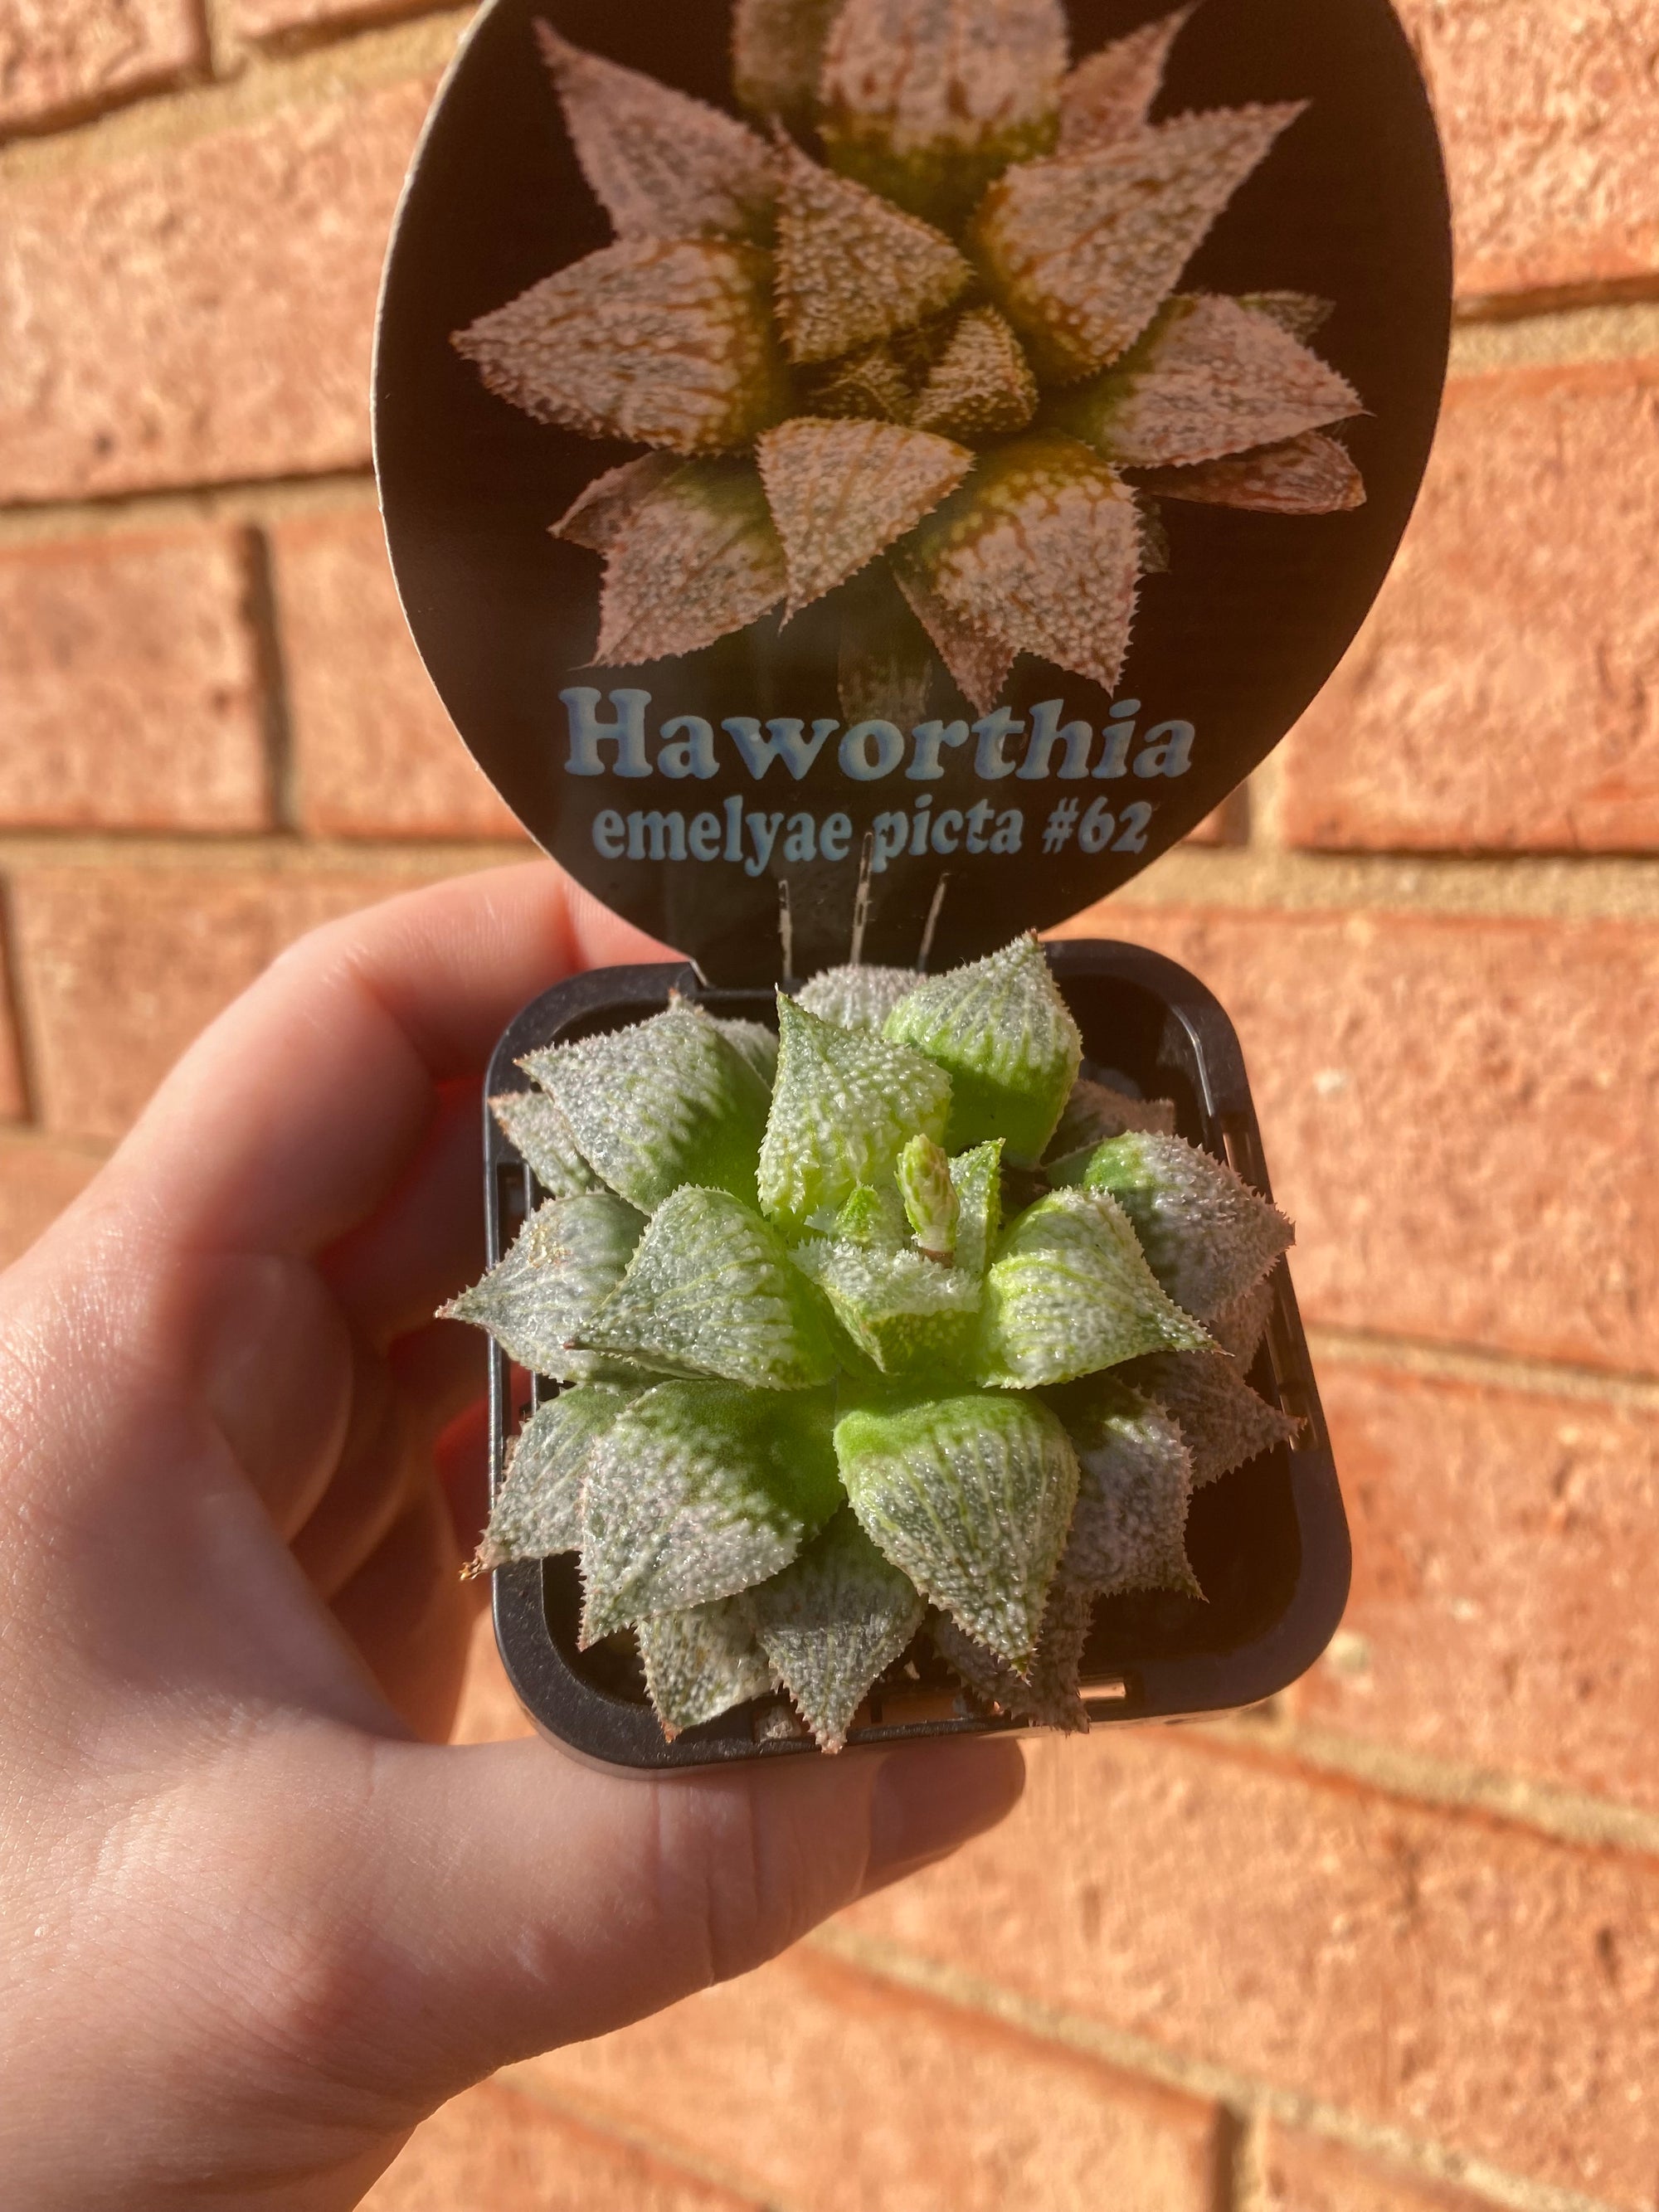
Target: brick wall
[(1394, 1944)]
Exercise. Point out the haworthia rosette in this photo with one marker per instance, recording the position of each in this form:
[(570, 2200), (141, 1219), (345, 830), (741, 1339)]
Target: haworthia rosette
[(832, 1622)]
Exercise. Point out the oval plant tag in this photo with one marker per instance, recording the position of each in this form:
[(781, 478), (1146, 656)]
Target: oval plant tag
[(902, 462)]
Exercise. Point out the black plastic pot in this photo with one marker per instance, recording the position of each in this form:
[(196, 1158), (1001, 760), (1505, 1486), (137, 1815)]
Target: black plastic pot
[(1269, 1543)]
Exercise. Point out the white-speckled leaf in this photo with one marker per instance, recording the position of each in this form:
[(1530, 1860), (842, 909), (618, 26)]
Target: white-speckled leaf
[(845, 1105), (757, 1044), (1308, 475), (982, 385), (701, 1663), (1302, 313), (1001, 1030), (840, 492), (1223, 1421), (905, 1313), (1206, 1235), (851, 267), (1211, 376), (669, 343), (1081, 251), (832, 1622), (711, 1292), (1095, 1112), (1070, 1291), (699, 1491), (777, 55), (870, 1215), (698, 558), (602, 511), (535, 1126), (1239, 1324), (977, 1176), (1050, 1694), (926, 101), (971, 1498), (537, 1511), (856, 997), (1128, 1532), (661, 164), (1039, 552), (667, 1102), (1109, 94), (568, 1256)]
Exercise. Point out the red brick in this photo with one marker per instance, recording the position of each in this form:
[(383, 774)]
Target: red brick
[(283, 20), (1552, 135), (1501, 694), (1506, 1547), (132, 698), (122, 966), (496, 2147), (1471, 1983), (375, 753), (1457, 1113), (1305, 2173), (202, 310), (840, 2091), (61, 59), (38, 1179)]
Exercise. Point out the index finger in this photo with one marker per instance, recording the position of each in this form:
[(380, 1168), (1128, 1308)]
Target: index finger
[(292, 1115)]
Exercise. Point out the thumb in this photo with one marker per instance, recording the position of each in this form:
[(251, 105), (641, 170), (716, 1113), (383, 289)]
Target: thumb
[(523, 1900)]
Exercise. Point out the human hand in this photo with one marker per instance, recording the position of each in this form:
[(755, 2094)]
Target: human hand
[(252, 1927)]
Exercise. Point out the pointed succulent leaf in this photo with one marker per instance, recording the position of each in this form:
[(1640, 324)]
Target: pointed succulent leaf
[(833, 1622), (699, 560), (1136, 1482), (777, 56), (1308, 475), (1239, 1324), (757, 1043), (845, 1105), (853, 268), (840, 492), (1007, 1036), (667, 1102), (977, 654), (872, 1216), (670, 343), (1109, 94), (599, 513), (568, 1255), (1094, 1112), (931, 1203), (535, 1126), (661, 164), (698, 1491), (1302, 313), (1080, 252), (856, 997), (926, 101), (977, 1177), (1206, 1235), (711, 1292), (1050, 1696), (982, 385), (1222, 1420), (537, 1511), (701, 1663), (904, 1312), (1070, 1291), (1211, 376), (971, 1497), (1039, 549)]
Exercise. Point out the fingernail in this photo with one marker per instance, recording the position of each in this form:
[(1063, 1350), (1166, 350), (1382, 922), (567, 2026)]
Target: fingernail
[(928, 1800)]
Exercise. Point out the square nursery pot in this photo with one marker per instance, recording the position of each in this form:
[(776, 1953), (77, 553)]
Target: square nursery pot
[(1269, 1542)]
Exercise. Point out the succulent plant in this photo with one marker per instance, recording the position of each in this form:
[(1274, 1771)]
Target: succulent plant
[(923, 1328), (919, 330)]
